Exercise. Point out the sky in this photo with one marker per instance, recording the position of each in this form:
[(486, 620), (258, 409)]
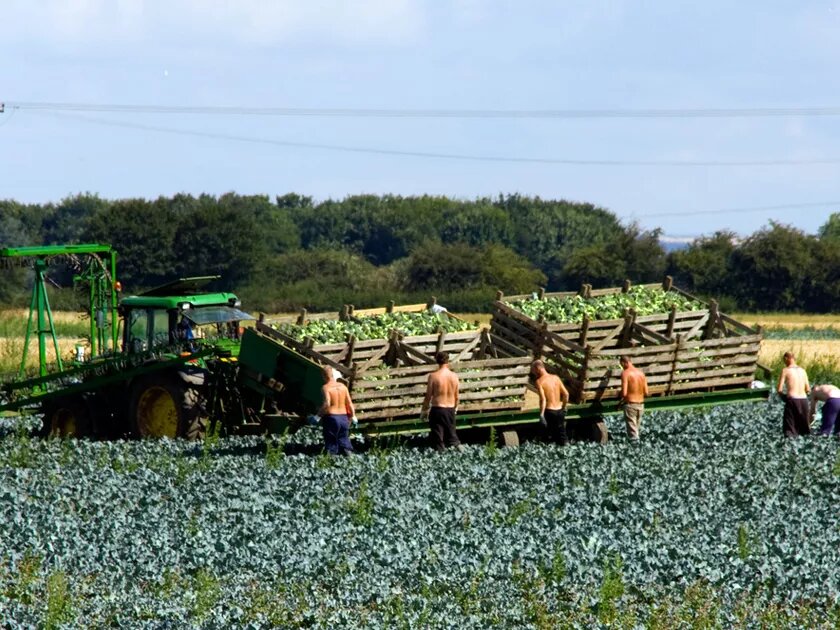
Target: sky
[(717, 159)]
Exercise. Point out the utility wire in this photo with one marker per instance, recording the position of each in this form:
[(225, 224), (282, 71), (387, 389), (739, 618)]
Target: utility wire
[(445, 156), (347, 112), (691, 213)]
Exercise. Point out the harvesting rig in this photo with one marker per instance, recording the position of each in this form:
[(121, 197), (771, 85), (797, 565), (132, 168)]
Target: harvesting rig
[(180, 359)]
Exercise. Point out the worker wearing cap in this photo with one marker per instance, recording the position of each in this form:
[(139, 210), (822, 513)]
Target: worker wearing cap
[(336, 414)]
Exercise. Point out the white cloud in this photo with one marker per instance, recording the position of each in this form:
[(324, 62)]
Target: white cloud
[(94, 22)]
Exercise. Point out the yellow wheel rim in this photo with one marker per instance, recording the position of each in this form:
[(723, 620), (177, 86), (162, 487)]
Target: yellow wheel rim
[(157, 413)]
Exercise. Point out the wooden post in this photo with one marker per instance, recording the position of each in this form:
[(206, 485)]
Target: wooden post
[(390, 307), (669, 329), (625, 288), (441, 339), (351, 346), (301, 320), (581, 384), (708, 333), (627, 332), (582, 291), (667, 283), (588, 293), (350, 310), (342, 314), (671, 377), (584, 330), (499, 296), (261, 318), (541, 293)]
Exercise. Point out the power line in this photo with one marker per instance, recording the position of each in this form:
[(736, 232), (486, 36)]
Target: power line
[(691, 213), (445, 156), (349, 112)]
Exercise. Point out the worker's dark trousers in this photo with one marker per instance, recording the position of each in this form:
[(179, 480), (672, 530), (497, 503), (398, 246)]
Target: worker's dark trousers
[(442, 427), (795, 417), (336, 434), (555, 420)]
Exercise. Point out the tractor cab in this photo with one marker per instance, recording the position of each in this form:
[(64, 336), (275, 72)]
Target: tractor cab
[(181, 313)]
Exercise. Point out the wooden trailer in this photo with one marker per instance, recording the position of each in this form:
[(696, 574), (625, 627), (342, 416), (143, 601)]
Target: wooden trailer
[(687, 352), (388, 376)]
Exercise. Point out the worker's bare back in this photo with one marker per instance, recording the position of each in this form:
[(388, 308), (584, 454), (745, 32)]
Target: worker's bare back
[(796, 381), (336, 398), (442, 388), (634, 385), (555, 393)]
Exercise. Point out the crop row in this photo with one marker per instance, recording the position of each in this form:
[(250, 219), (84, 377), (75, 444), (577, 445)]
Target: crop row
[(573, 309), (375, 326), (711, 514)]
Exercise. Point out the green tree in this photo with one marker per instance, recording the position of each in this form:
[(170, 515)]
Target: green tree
[(830, 230), (66, 223), (143, 234), (704, 266), (224, 236), (773, 269)]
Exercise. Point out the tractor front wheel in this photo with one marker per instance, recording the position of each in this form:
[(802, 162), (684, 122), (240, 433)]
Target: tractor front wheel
[(166, 406)]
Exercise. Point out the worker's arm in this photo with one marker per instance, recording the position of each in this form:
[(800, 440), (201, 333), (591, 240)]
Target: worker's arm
[(351, 409), (812, 408), (781, 380), (457, 390), (424, 409), (325, 406), (647, 390), (564, 394), (624, 384), (541, 392), (807, 383)]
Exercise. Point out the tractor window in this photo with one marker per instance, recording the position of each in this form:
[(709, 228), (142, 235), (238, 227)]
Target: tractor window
[(138, 331), (160, 327)]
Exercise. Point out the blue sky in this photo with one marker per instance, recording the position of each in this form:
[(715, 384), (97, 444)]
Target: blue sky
[(424, 55)]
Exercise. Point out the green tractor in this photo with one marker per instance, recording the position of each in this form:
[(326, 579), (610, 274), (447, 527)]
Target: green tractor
[(167, 364)]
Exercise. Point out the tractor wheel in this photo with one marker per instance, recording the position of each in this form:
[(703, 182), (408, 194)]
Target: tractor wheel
[(510, 439), (66, 418), (165, 406)]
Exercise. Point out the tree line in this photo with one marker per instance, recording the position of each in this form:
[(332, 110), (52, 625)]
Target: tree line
[(293, 252)]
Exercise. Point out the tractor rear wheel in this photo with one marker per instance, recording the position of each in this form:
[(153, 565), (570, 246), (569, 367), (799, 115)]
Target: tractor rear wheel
[(163, 405), (66, 418)]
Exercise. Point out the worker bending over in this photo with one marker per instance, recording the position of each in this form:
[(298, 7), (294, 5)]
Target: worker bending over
[(830, 397)]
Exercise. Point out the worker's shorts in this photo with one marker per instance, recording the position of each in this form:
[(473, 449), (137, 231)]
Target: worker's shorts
[(830, 417), (795, 419), (633, 419), (336, 434), (442, 427)]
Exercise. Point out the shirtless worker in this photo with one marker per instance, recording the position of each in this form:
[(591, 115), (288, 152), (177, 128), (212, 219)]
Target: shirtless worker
[(441, 404), (634, 388), (795, 419), (830, 397), (336, 414), (553, 400)]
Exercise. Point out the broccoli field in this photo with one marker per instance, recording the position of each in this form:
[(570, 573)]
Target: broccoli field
[(713, 520)]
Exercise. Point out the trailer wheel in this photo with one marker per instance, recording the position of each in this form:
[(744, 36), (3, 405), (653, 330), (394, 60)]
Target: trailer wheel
[(510, 439), (589, 430), (68, 418), (166, 406)]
